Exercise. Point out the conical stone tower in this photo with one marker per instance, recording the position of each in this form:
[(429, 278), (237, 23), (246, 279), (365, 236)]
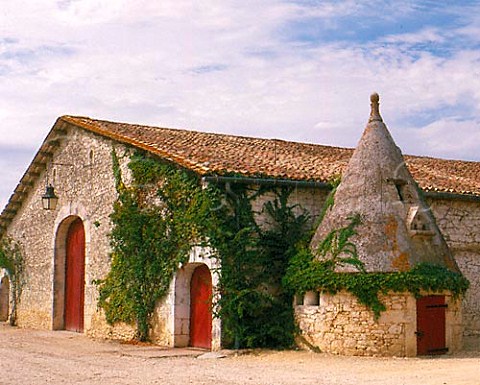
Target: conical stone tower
[(397, 229), (394, 230)]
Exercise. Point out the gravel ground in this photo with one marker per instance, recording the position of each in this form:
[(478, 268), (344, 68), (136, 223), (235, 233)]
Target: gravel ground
[(45, 357)]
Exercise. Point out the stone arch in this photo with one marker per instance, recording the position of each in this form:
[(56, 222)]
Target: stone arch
[(4, 298), (182, 304), (60, 259), (179, 297)]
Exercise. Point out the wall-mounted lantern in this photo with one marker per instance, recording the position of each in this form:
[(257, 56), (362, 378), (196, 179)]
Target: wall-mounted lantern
[(49, 199)]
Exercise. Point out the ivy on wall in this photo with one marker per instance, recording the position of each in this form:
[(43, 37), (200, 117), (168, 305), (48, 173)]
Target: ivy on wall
[(12, 260), (307, 273), (255, 308), (164, 213), (150, 238)]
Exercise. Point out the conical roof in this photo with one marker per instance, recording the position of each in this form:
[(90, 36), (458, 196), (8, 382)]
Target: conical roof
[(397, 230)]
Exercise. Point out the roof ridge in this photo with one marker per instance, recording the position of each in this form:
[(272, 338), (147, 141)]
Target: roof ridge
[(74, 119)]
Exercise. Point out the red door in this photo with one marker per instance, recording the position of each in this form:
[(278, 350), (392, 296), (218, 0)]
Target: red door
[(431, 325), (201, 308), (75, 277), (4, 298)]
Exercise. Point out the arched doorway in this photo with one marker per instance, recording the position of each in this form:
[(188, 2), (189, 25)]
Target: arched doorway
[(4, 298), (201, 308), (74, 277)]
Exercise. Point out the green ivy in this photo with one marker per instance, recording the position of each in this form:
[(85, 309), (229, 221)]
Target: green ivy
[(255, 308), (164, 212), (12, 260), (307, 273), (155, 222), (337, 243)]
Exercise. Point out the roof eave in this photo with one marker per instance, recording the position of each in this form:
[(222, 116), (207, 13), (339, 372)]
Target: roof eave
[(34, 171)]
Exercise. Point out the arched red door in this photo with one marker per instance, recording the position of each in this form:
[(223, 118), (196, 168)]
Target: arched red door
[(75, 277), (201, 308)]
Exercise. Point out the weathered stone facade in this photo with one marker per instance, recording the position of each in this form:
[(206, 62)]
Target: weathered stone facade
[(459, 222), (81, 171), (338, 324)]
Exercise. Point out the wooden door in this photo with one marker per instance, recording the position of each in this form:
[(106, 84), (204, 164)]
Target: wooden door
[(201, 308), (4, 298), (75, 277), (431, 325)]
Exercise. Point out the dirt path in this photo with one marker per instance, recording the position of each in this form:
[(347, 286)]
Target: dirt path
[(43, 357)]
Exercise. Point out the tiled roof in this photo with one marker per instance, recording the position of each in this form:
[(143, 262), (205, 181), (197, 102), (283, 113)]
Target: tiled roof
[(223, 155), (219, 154)]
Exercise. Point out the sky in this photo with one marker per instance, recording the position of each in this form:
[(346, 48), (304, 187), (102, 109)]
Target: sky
[(299, 70)]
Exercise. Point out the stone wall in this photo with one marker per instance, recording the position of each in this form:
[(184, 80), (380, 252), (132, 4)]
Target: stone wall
[(81, 172), (459, 222), (303, 198), (338, 324)]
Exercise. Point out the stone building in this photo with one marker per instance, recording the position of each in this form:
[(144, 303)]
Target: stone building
[(396, 232), (76, 160)]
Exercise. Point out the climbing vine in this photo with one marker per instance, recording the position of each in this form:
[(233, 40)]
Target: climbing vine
[(307, 273), (164, 212), (255, 307), (11, 259), (337, 249), (156, 220)]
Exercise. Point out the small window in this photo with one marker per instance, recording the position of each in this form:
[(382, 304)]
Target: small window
[(400, 187), (92, 156), (312, 298), (419, 222), (298, 301)]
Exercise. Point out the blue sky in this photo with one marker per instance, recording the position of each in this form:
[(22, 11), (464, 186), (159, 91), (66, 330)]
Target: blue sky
[(295, 70)]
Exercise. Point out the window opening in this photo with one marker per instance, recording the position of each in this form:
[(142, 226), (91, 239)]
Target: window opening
[(312, 298), (298, 300)]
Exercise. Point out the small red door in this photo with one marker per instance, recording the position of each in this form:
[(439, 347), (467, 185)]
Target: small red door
[(431, 325), (201, 308), (75, 277)]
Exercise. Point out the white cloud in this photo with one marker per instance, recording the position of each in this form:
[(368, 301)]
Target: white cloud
[(223, 66), (426, 35), (451, 138)]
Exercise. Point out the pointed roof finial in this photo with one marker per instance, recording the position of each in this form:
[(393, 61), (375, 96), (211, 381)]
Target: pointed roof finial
[(375, 112)]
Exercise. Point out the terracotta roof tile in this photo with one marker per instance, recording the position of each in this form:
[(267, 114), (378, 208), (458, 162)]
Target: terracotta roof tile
[(219, 154)]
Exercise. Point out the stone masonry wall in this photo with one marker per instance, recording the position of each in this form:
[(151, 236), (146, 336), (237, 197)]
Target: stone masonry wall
[(307, 198), (338, 324), (81, 172), (459, 222)]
